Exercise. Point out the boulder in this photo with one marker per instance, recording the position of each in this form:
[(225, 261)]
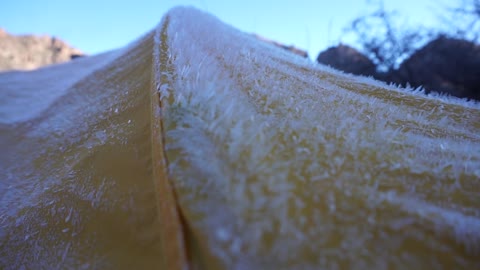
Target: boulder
[(444, 65), (347, 59)]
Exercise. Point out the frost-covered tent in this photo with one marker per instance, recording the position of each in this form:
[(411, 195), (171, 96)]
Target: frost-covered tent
[(199, 147)]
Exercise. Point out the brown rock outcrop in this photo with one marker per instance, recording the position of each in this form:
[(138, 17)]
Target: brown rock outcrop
[(444, 65), (347, 59), (26, 52)]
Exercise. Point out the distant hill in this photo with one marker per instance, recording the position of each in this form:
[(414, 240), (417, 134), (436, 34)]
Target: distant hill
[(26, 52)]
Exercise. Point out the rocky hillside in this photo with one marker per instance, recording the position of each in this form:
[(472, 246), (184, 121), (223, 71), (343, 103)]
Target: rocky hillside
[(26, 52)]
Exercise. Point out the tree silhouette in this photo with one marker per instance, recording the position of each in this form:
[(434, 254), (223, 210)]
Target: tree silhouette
[(384, 38), (464, 18)]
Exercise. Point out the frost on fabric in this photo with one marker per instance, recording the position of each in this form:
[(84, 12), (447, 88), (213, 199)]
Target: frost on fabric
[(282, 163), (26, 94), (276, 163), (75, 169)]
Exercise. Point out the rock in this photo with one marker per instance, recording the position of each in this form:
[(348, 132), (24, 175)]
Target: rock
[(444, 65), (2, 32), (26, 52), (347, 59), (290, 48)]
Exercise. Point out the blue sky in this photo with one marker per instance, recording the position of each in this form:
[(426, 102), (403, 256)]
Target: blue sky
[(95, 26)]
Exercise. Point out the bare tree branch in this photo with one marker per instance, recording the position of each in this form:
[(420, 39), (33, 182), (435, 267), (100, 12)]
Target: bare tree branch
[(464, 20), (385, 41)]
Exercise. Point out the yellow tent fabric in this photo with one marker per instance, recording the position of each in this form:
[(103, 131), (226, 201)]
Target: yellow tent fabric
[(199, 147)]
